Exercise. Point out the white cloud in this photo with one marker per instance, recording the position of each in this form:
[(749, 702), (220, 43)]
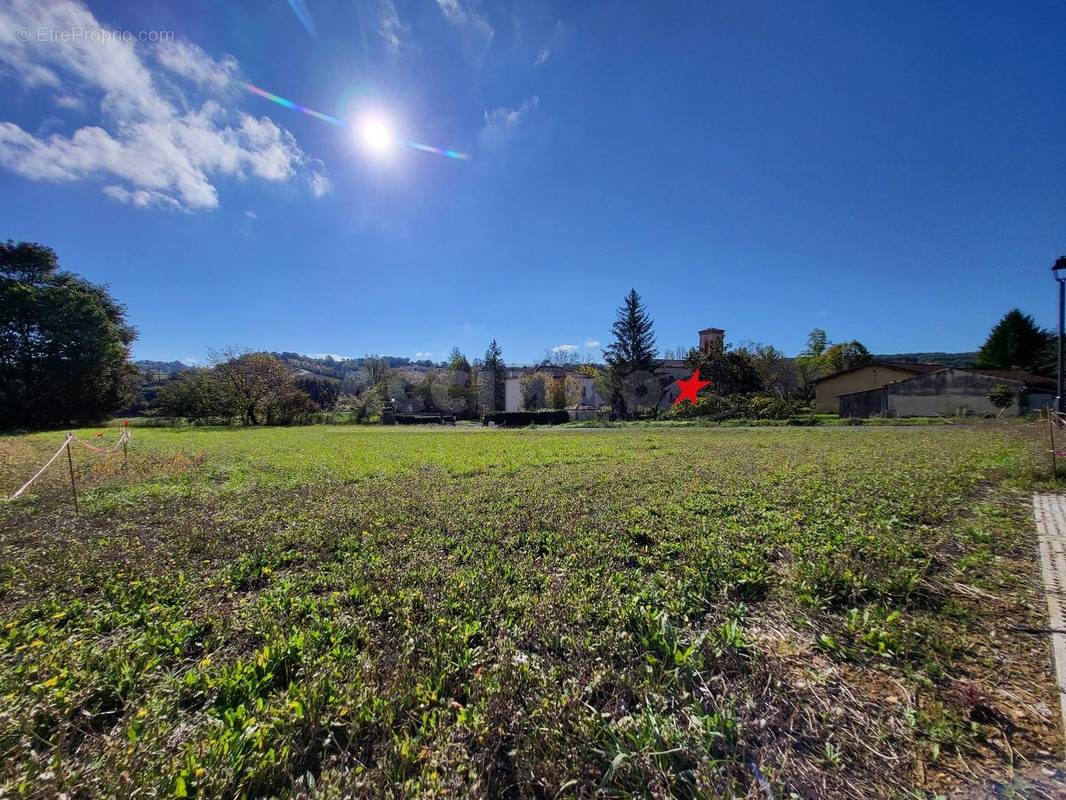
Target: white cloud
[(190, 61), (465, 16), (590, 343), (542, 56), (141, 198), (163, 149), (501, 122), (392, 28), (419, 356), (565, 348), (69, 101), (320, 184), (250, 214), (334, 356)]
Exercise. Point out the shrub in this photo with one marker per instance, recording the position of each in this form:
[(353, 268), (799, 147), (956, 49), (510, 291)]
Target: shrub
[(738, 406), (425, 419), (519, 419)]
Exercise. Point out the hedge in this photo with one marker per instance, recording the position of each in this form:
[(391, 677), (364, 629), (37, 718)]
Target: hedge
[(519, 419), (425, 419)]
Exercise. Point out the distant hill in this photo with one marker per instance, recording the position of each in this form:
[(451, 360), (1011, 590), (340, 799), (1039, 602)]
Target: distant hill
[(160, 368), (329, 367), (947, 359)]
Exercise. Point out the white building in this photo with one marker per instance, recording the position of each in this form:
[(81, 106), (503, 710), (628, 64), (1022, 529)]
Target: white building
[(659, 386)]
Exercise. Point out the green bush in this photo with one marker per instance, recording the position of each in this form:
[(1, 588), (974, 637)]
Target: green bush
[(739, 406), (520, 419)]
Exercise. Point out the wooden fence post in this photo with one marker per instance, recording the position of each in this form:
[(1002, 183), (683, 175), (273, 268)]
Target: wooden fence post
[(73, 486)]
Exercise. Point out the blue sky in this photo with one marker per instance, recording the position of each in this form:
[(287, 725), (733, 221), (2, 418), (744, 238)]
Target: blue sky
[(894, 173)]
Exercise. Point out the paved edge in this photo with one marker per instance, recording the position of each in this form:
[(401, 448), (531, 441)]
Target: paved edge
[(1050, 513)]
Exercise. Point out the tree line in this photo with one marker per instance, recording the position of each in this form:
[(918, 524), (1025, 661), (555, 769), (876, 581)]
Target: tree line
[(65, 360), (253, 388)]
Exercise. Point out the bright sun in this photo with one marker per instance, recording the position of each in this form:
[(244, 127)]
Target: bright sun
[(375, 135)]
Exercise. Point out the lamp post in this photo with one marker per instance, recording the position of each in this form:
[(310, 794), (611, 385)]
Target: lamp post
[(1059, 271)]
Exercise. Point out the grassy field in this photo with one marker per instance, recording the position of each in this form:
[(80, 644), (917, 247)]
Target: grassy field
[(343, 611)]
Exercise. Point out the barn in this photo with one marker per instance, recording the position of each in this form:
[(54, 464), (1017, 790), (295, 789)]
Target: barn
[(949, 391)]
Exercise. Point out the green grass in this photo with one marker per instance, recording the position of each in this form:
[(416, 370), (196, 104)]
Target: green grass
[(345, 611)]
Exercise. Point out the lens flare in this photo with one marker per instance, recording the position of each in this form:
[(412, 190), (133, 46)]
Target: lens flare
[(374, 133)]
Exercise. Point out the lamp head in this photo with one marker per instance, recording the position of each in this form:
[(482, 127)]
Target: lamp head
[(1059, 269)]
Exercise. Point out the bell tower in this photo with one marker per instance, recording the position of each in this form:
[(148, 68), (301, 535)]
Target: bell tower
[(711, 339)]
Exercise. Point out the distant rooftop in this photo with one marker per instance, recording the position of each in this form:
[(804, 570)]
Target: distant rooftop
[(902, 366)]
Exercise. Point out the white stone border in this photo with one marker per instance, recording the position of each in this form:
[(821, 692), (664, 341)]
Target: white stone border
[(1050, 513)]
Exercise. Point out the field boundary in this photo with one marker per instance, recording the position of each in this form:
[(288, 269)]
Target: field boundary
[(122, 443), (1050, 513)]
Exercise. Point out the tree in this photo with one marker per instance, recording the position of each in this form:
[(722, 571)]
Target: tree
[(573, 390), (729, 371), (846, 355), (1015, 342), (562, 391), (375, 376), (322, 391), (64, 343), (561, 357), (495, 386), (199, 397), (462, 392), (290, 406), (821, 357), (817, 342), (633, 348), (253, 380), (457, 361), (1001, 397), (532, 390), (776, 373)]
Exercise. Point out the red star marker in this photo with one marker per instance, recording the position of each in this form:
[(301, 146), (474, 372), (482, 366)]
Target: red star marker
[(690, 387)]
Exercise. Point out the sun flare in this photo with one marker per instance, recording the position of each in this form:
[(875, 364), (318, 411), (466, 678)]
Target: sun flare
[(376, 135)]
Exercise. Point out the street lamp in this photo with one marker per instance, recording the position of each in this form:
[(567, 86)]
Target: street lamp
[(1059, 271)]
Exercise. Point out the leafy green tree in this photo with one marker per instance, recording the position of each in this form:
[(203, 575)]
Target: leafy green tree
[(1015, 342), (374, 376), (633, 348), (198, 396), (821, 357), (729, 371), (561, 391), (457, 361), (64, 343), (494, 391), (532, 388), (1001, 397), (846, 355), (461, 382), (254, 381), (776, 373), (322, 391)]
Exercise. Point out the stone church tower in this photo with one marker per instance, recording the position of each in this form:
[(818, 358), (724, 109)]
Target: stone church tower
[(712, 339)]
